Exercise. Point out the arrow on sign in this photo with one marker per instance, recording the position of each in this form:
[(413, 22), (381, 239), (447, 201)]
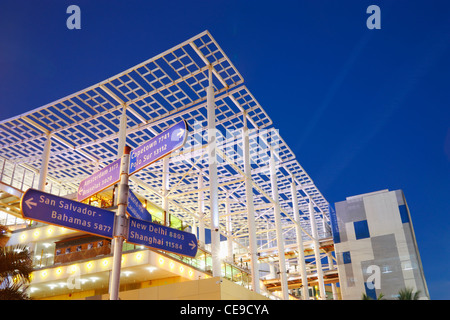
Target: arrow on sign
[(178, 133), (30, 203), (192, 245)]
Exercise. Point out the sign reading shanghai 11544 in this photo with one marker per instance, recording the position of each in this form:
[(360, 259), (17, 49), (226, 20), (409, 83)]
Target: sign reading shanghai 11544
[(156, 148), (48, 208), (155, 236)]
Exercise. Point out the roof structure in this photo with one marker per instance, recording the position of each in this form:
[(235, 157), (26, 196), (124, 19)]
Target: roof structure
[(157, 93)]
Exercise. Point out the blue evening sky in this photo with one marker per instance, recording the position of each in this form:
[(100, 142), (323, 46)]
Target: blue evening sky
[(363, 110)]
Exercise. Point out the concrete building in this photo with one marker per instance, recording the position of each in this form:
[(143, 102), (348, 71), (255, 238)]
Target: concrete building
[(376, 247)]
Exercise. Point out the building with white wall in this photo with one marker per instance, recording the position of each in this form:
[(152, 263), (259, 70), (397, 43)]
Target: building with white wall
[(375, 245)]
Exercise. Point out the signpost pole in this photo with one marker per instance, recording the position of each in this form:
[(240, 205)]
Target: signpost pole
[(121, 225), (213, 186)]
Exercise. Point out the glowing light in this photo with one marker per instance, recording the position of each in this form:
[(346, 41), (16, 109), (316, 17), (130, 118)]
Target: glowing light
[(191, 273), (161, 260), (89, 265), (59, 271), (44, 273), (171, 265), (50, 231), (105, 262), (223, 253), (23, 236), (36, 233), (181, 269), (139, 256)]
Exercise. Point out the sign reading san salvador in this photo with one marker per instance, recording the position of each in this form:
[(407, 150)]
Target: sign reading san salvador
[(156, 148), (156, 236), (48, 208)]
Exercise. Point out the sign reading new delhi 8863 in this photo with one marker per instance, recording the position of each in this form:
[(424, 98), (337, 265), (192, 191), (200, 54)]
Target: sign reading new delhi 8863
[(156, 236)]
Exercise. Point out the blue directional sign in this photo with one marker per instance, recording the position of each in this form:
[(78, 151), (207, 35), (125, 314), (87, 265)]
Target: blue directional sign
[(48, 208), (158, 147), (135, 208), (155, 236), (99, 181)]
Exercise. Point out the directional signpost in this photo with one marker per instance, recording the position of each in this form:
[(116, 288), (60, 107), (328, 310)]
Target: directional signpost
[(48, 208), (158, 147), (138, 228), (144, 155), (135, 208), (156, 236), (99, 181)]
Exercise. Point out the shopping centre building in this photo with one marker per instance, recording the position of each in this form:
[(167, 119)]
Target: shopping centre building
[(264, 230)]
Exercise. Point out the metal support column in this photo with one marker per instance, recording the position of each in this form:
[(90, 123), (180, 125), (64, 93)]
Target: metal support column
[(279, 230), (201, 213), (120, 226), (122, 132), (253, 248), (213, 185), (44, 165), (301, 249), (165, 190), (229, 231), (331, 266), (315, 235)]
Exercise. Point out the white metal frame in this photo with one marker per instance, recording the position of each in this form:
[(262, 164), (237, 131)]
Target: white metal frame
[(87, 130)]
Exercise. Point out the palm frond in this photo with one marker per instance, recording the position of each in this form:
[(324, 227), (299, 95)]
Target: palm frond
[(16, 261)]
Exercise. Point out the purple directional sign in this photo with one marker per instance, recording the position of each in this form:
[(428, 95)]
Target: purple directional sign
[(99, 181), (155, 236), (48, 208), (166, 142), (135, 208)]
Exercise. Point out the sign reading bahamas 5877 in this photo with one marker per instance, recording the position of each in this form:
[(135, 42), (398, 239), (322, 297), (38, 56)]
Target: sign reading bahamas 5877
[(48, 208)]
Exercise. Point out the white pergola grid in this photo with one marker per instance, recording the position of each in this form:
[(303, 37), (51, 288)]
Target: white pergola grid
[(84, 128)]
